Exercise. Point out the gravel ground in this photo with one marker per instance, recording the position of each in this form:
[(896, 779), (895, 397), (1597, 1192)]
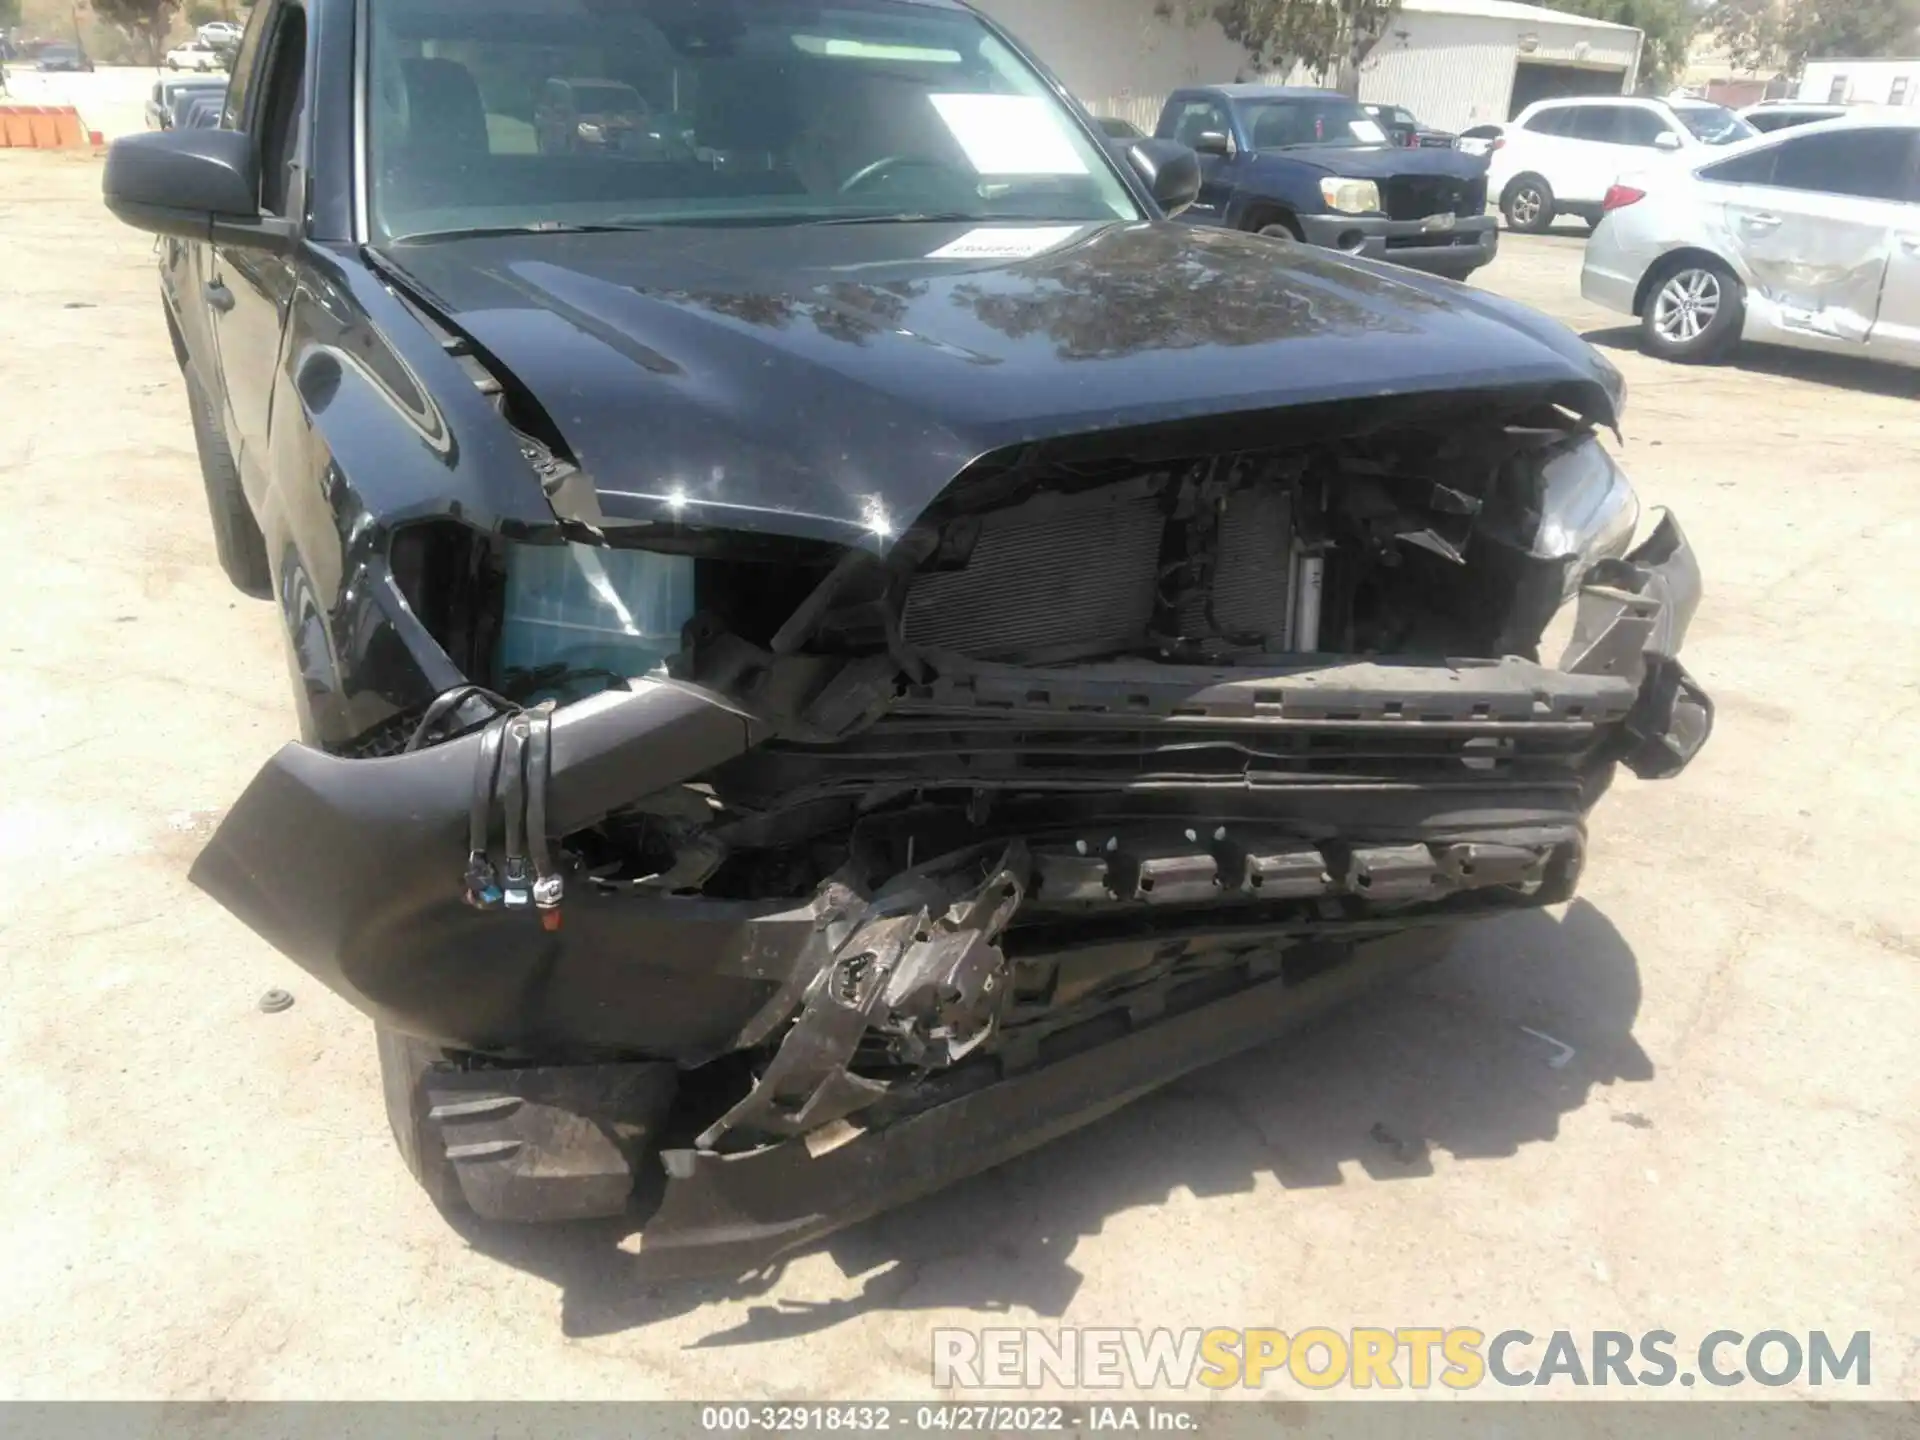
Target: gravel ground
[(203, 1201)]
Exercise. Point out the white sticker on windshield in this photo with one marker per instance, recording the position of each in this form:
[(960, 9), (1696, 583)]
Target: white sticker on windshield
[(1009, 134), (1005, 244), (1368, 131)]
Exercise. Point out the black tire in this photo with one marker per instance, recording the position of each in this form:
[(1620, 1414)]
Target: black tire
[(1694, 311), (1282, 232), (236, 534), (405, 1063), (1527, 205)]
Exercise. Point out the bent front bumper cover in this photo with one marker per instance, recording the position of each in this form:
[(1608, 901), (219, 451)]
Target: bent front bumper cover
[(729, 1214), (352, 868)]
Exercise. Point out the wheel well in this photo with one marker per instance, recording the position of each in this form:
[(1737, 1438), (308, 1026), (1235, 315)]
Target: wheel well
[(1507, 193), (1261, 216), (1672, 261)]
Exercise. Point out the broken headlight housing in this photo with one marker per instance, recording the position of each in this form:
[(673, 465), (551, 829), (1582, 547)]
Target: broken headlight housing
[(1588, 511)]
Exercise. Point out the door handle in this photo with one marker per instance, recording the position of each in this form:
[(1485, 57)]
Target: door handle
[(219, 296), (1760, 222)]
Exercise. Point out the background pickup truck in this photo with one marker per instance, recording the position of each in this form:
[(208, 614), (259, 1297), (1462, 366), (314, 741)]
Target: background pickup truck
[(1312, 165)]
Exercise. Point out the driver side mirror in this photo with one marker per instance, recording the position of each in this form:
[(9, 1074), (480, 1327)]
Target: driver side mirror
[(1666, 140), (1213, 142), (194, 184), (1171, 170)]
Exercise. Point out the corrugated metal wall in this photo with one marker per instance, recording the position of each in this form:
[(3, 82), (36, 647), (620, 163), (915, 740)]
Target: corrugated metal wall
[(1451, 70)]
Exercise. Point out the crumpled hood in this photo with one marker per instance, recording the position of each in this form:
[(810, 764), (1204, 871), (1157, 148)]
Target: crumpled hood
[(831, 381)]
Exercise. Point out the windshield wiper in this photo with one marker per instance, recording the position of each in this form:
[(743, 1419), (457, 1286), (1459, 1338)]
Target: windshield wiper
[(943, 217), (538, 227)]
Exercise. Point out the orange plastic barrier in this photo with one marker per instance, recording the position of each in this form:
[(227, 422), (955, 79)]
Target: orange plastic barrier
[(41, 127)]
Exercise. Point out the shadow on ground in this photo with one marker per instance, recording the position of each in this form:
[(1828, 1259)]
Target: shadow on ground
[(1469, 1057), (1841, 372)]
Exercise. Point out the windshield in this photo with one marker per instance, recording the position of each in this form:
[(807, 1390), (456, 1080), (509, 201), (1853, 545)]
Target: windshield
[(1714, 124), (1317, 121), (756, 112)]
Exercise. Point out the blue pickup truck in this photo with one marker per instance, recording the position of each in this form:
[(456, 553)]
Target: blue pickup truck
[(1312, 165)]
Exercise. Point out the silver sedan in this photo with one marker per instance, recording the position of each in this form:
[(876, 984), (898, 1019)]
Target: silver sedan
[(1808, 237)]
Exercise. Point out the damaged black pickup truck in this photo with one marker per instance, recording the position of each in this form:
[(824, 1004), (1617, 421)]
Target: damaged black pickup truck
[(833, 642)]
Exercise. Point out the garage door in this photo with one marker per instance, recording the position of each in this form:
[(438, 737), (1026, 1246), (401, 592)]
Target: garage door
[(1534, 80)]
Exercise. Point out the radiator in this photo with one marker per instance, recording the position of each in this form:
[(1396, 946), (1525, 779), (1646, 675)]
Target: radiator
[(1062, 577)]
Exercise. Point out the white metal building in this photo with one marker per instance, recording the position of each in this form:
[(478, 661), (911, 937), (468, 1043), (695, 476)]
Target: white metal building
[(1454, 63), (1457, 63), (1861, 82)]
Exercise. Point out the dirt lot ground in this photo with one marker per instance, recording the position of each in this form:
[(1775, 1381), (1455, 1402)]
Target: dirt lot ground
[(202, 1200)]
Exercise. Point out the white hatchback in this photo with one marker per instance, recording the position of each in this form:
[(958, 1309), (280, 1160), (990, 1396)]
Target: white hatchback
[(1808, 237), (1558, 157)]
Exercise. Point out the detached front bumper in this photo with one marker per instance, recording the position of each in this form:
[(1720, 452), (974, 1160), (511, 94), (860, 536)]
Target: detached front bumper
[(1447, 245), (352, 868)]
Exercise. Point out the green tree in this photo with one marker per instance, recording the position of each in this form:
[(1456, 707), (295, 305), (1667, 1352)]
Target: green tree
[(1758, 33), (1667, 24), (144, 22), (1326, 36)]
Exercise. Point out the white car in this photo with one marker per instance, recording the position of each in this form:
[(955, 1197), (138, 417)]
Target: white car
[(219, 32), (1808, 237), (1482, 139), (1558, 157), (194, 56), (1771, 115)]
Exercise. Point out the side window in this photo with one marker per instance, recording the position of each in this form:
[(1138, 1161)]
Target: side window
[(1592, 122), (1837, 91), (1549, 122), (1196, 118), (281, 106), (1898, 94), (1754, 168), (1634, 126), (245, 61), (1872, 164)]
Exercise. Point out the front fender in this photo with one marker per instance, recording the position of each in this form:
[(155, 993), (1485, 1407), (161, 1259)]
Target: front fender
[(1264, 185), (375, 427)]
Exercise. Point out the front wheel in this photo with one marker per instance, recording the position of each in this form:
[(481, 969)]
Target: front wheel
[(1528, 205), (1694, 313), (1282, 233)]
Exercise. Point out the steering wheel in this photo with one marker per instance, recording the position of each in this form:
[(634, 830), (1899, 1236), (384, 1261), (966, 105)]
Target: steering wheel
[(867, 173)]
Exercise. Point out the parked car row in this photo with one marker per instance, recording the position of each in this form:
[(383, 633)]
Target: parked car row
[(171, 102)]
